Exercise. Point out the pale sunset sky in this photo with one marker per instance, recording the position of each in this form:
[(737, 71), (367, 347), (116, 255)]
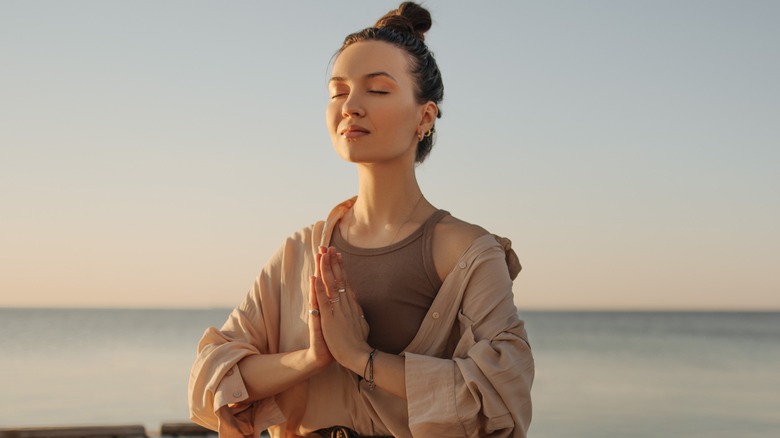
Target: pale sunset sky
[(156, 153)]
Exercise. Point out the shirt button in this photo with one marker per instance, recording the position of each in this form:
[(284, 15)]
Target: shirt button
[(462, 265), (237, 394), (230, 372), (435, 315)]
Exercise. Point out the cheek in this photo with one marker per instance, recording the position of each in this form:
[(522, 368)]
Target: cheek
[(399, 114), (405, 121)]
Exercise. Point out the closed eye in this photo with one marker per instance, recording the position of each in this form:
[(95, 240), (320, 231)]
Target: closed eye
[(370, 91)]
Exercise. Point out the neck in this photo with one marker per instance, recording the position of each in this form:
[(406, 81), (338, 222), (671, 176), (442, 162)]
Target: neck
[(386, 196)]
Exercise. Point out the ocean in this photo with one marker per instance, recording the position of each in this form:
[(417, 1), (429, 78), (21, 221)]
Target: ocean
[(599, 374)]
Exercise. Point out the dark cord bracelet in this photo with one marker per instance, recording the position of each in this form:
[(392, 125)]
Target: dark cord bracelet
[(370, 368)]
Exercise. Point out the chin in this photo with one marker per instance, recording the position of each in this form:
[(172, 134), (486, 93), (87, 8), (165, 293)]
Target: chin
[(363, 152), (356, 158), (353, 151)]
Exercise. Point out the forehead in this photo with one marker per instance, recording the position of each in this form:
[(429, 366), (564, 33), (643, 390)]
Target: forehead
[(367, 57)]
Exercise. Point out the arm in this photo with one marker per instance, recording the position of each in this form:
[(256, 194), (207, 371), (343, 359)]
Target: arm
[(484, 389), (290, 368), (230, 383)]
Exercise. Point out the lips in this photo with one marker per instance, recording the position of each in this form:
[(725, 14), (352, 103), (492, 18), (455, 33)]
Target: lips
[(354, 131)]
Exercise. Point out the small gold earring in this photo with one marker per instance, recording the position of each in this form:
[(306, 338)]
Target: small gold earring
[(429, 133)]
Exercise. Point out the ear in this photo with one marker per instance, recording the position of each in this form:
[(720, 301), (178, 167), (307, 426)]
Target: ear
[(429, 112)]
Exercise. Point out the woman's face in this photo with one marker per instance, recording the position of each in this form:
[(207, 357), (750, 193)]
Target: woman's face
[(373, 115)]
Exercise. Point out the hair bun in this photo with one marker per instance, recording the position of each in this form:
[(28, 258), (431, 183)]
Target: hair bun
[(409, 18)]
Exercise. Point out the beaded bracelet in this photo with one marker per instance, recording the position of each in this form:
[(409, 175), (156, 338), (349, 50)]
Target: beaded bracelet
[(370, 367)]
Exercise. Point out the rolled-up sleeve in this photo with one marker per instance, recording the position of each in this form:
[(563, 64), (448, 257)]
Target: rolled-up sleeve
[(485, 388), (215, 379)]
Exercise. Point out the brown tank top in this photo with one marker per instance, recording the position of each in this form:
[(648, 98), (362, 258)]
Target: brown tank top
[(395, 284)]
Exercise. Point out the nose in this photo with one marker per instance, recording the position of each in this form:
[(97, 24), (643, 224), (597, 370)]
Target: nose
[(352, 106)]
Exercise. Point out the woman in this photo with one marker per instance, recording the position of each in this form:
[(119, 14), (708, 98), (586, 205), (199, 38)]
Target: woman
[(391, 317)]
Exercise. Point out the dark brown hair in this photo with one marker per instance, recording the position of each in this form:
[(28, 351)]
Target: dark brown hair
[(405, 28)]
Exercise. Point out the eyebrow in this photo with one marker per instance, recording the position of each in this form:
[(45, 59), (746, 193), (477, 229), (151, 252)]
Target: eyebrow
[(368, 76)]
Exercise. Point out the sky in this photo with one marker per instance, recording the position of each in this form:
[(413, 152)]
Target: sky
[(156, 153)]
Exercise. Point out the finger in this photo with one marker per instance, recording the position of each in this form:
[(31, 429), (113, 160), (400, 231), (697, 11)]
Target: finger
[(313, 304), (342, 279), (341, 271), (320, 293), (328, 277), (337, 267), (336, 298), (320, 262)]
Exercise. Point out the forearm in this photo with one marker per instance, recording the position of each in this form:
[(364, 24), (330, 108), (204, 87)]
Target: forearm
[(266, 375)]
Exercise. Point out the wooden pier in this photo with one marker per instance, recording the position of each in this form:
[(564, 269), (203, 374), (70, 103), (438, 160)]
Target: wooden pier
[(178, 430)]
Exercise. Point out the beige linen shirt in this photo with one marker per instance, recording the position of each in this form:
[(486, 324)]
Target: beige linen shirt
[(469, 369)]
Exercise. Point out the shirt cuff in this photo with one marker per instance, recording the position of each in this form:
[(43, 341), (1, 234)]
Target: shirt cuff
[(231, 389), (430, 391), (261, 414)]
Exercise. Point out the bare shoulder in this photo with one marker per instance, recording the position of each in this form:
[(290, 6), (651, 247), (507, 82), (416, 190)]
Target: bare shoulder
[(451, 238)]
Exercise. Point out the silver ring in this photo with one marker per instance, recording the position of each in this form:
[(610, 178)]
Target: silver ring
[(342, 290), (334, 300), (314, 312)]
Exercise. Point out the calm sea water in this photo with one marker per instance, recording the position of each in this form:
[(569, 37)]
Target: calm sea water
[(610, 374)]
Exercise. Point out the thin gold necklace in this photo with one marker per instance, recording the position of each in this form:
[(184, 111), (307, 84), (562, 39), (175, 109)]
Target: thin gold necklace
[(349, 226)]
